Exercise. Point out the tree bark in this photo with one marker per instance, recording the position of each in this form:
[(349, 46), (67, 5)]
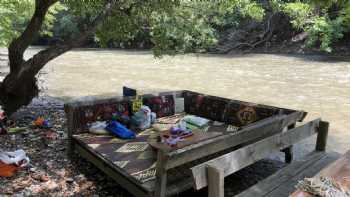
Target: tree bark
[(19, 86)]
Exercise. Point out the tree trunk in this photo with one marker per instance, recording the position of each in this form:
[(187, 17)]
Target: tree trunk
[(26, 90), (19, 86)]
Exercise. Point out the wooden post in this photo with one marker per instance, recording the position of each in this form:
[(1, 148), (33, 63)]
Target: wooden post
[(215, 181), (161, 174), (288, 152), (322, 136)]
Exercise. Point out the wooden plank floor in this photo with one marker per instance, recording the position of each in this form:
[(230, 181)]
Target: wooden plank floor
[(282, 182)]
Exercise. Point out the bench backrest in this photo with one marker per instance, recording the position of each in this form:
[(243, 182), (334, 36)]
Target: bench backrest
[(86, 110), (230, 111)]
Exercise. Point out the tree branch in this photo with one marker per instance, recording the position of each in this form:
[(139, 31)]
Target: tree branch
[(38, 61), (20, 44)]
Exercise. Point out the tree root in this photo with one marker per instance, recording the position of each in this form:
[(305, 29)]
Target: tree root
[(259, 39)]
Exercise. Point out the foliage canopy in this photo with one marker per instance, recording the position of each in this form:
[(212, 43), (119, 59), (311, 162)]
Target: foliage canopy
[(175, 25)]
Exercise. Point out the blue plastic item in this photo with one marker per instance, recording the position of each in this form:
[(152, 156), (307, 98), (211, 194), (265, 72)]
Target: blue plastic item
[(120, 130)]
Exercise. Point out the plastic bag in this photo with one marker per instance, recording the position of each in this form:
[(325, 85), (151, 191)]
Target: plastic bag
[(120, 130), (143, 118), (195, 120), (17, 157), (98, 127)]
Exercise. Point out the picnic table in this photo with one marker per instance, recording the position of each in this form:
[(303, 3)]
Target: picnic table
[(146, 168)]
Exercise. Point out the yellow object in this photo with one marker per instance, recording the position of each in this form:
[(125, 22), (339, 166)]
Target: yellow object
[(137, 103)]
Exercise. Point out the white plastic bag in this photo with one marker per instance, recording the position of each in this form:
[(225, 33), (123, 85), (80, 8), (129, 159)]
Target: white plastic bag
[(98, 128), (17, 157)]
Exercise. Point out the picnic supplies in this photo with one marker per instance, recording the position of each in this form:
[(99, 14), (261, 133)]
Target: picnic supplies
[(123, 118), (98, 127), (196, 121), (137, 103), (143, 118), (172, 140), (120, 130), (161, 127)]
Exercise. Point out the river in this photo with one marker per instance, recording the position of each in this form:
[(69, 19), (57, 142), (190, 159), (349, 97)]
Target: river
[(317, 84)]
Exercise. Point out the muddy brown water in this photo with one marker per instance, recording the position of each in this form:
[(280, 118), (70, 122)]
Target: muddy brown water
[(317, 84)]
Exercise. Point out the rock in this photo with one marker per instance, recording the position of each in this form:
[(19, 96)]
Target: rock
[(80, 178), (69, 180), (40, 176), (51, 185)]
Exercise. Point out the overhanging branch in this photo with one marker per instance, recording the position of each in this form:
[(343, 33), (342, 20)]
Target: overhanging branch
[(38, 61), (20, 44)]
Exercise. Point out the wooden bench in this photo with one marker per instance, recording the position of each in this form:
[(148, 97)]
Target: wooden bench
[(207, 162), (212, 173)]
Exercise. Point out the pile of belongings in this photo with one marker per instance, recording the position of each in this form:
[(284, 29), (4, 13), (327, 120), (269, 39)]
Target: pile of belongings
[(10, 162), (118, 126), (180, 126)]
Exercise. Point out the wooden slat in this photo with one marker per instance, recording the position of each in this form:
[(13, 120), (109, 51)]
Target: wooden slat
[(247, 155)]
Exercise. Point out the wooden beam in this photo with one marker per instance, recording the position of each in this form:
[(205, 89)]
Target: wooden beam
[(215, 182), (322, 136), (247, 155)]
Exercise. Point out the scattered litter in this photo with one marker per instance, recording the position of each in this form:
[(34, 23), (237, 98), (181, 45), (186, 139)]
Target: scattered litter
[(51, 135), (10, 162), (7, 170), (17, 157), (42, 123), (16, 130)]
